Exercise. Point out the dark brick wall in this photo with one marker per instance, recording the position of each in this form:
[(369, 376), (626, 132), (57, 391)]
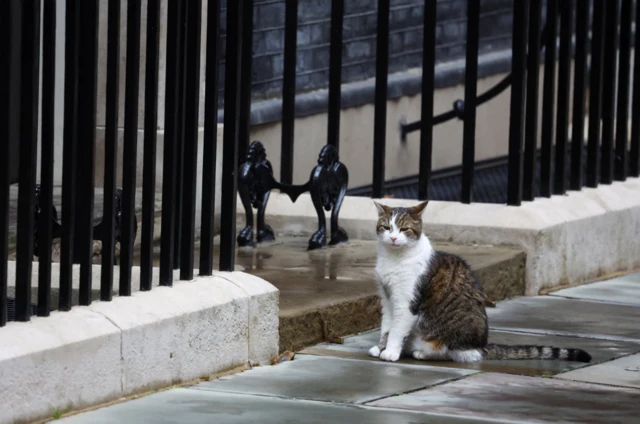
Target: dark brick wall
[(359, 49)]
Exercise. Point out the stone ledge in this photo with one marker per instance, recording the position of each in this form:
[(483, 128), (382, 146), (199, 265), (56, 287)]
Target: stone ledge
[(330, 293), (567, 239), (150, 340)]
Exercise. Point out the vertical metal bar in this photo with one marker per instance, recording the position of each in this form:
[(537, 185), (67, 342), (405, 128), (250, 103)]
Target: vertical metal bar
[(192, 101), (531, 125), (210, 142), (518, 96), (150, 141), (622, 120), (288, 91), (380, 114), (10, 74), (245, 89), (548, 98), (579, 94), (72, 53), (335, 73), (45, 226), (470, 95), (595, 94), (634, 154), (564, 80), (130, 144), (232, 100), (180, 143), (609, 91), (172, 110), (28, 154), (87, 92), (110, 150), (428, 85)]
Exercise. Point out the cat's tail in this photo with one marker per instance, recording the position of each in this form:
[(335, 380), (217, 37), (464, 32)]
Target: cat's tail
[(497, 351)]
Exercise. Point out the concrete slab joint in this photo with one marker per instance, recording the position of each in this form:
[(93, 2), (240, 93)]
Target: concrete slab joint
[(148, 341), (568, 239)]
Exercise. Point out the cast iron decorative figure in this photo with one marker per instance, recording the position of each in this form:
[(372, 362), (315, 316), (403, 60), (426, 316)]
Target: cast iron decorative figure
[(254, 185), (99, 231), (327, 186), (56, 228)]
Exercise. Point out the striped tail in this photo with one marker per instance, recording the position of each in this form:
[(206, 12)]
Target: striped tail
[(496, 351)]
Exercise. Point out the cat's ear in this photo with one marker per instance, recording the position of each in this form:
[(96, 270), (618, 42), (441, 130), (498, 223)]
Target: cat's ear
[(382, 209), (418, 209)]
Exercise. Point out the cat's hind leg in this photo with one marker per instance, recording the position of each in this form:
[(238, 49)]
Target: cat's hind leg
[(431, 350), (466, 356)]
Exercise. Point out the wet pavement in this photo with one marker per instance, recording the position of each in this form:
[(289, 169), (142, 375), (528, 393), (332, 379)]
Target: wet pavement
[(601, 350), (329, 293), (314, 279), (330, 382)]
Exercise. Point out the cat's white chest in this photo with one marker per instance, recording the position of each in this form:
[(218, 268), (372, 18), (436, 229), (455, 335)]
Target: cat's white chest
[(398, 277), (398, 274)]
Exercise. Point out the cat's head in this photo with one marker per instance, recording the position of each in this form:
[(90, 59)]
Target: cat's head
[(399, 227)]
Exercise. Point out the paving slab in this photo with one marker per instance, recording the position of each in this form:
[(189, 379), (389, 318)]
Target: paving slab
[(623, 290), (199, 406), (333, 379), (621, 372), (356, 347), (555, 315), (525, 399)]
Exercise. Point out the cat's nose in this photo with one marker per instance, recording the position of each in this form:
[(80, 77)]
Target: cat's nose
[(393, 239)]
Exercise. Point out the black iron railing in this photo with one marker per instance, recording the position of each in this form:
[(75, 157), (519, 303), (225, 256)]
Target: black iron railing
[(601, 54)]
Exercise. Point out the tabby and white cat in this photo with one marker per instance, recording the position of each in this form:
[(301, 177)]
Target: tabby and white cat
[(433, 308)]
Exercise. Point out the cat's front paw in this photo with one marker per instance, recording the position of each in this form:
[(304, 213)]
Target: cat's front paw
[(390, 355), (375, 352)]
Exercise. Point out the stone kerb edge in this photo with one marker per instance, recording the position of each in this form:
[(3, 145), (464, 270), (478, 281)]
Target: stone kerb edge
[(150, 340)]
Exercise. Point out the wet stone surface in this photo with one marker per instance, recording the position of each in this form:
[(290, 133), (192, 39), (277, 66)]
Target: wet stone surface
[(623, 290), (356, 347), (621, 372), (317, 278), (528, 399), (191, 406), (554, 315), (340, 382), (332, 379)]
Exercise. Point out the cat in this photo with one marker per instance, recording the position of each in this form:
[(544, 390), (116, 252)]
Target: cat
[(433, 307)]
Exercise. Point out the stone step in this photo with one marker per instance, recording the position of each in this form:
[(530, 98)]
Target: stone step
[(331, 293)]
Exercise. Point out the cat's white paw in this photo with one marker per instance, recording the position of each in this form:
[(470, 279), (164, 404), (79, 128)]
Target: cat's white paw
[(465, 356), (375, 352), (420, 355), (390, 355)]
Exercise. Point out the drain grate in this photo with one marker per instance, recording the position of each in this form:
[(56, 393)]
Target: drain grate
[(11, 309)]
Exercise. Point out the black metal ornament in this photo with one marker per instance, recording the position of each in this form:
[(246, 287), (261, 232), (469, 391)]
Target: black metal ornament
[(99, 231), (327, 186)]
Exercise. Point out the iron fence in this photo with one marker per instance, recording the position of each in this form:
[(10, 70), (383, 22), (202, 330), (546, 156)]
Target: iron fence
[(597, 36)]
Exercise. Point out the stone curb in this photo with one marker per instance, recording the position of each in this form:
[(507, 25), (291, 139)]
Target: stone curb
[(99, 353), (502, 278)]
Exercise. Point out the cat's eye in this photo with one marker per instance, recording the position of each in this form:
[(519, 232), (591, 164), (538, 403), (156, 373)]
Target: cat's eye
[(404, 230), (383, 228)]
